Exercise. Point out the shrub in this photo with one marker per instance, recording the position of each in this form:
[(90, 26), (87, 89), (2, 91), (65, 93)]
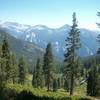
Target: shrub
[(19, 92), (25, 95), (8, 94)]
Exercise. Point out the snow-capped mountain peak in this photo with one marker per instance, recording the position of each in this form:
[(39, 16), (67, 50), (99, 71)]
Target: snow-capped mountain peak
[(41, 35)]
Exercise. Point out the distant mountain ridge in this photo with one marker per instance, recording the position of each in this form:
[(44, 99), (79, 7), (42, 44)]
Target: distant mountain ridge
[(41, 35), (31, 51)]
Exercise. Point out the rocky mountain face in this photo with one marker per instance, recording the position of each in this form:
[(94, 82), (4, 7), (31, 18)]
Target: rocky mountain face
[(40, 35)]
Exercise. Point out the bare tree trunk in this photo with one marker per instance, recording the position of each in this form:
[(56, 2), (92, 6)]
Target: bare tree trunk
[(48, 82), (48, 88), (72, 84)]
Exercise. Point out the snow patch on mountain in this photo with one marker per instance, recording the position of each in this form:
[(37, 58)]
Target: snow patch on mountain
[(12, 25), (42, 35)]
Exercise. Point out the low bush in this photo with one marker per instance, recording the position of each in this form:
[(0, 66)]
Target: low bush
[(18, 92)]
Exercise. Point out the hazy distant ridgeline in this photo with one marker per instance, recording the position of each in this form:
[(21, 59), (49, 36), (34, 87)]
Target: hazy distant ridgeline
[(41, 35)]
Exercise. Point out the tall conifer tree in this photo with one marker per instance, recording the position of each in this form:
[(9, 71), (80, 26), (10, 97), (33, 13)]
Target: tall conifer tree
[(71, 57), (55, 85), (22, 70), (48, 66), (34, 82), (14, 70), (98, 38), (93, 87), (39, 75), (6, 61)]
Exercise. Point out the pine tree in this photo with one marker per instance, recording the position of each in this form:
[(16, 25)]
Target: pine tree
[(97, 84), (22, 70), (93, 83), (0, 66), (34, 82), (93, 87), (89, 84), (48, 66), (55, 85), (71, 57), (39, 77), (66, 85), (98, 38), (62, 81), (6, 61), (14, 70), (59, 83)]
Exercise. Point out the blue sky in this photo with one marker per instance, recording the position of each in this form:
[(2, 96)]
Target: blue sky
[(53, 13)]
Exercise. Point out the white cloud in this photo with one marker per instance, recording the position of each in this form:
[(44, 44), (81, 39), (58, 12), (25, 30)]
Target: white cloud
[(91, 26)]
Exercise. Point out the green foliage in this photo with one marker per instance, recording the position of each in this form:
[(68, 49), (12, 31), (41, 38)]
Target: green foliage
[(71, 57), (15, 70), (38, 78), (6, 73), (23, 92), (22, 70), (59, 83), (98, 38), (55, 85), (1, 66), (34, 82), (66, 85), (48, 66), (25, 48), (11, 72), (93, 87)]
